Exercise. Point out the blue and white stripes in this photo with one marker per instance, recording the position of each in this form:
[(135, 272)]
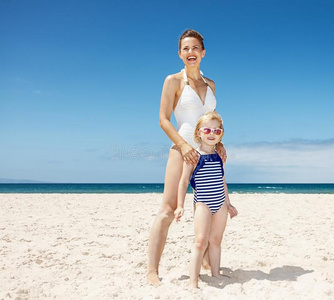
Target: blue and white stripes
[(207, 181)]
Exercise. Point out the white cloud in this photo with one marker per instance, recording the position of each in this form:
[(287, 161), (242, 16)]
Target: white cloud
[(293, 161), (141, 151)]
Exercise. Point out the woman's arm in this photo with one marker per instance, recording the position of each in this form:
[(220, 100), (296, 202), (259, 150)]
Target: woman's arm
[(220, 146), (221, 151), (168, 99)]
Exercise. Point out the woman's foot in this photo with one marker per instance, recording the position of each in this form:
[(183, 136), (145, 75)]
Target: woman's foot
[(206, 265), (206, 260)]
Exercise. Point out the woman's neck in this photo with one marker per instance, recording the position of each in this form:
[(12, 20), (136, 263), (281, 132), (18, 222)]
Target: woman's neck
[(193, 73), (206, 149)]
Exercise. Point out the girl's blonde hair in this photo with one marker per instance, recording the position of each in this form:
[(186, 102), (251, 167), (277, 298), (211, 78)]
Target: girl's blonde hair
[(211, 115)]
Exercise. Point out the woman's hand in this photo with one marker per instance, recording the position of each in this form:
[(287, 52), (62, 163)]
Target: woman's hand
[(189, 154), (178, 213), (232, 211), (221, 151)]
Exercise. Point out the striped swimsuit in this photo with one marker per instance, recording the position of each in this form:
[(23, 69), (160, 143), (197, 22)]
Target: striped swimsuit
[(207, 182)]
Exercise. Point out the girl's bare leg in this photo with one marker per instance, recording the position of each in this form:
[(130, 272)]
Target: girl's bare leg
[(218, 224), (165, 216), (202, 224)]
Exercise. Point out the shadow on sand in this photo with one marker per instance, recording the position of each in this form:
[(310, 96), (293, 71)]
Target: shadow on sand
[(285, 273)]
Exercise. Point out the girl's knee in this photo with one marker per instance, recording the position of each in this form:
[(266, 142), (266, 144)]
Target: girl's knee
[(166, 215), (215, 240), (201, 243)]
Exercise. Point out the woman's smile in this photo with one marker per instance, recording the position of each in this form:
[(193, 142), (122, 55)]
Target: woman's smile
[(192, 58)]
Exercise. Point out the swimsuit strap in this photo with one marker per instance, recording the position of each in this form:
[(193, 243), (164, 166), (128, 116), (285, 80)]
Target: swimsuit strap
[(186, 81), (185, 78), (204, 79), (216, 153)]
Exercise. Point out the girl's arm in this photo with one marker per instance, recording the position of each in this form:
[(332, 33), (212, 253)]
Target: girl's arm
[(168, 96), (231, 209), (183, 186)]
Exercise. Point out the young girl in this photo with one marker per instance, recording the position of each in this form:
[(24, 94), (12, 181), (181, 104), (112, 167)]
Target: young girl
[(211, 200)]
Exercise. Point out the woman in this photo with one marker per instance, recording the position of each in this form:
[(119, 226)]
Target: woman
[(189, 95)]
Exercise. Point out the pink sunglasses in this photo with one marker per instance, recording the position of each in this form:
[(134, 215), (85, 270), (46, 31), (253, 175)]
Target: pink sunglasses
[(207, 130)]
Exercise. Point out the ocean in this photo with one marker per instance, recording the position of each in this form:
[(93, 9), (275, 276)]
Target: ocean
[(129, 188)]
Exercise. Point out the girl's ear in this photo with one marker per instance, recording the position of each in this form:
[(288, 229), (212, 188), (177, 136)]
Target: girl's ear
[(198, 137)]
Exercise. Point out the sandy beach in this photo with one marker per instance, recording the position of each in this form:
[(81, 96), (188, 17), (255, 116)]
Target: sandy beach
[(94, 246)]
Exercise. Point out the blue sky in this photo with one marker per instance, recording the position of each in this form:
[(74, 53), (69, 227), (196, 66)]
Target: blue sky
[(80, 86)]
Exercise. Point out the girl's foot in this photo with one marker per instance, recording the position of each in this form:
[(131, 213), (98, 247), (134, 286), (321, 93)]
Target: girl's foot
[(153, 279), (220, 276)]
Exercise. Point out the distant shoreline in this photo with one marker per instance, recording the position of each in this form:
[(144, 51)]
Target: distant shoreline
[(144, 188)]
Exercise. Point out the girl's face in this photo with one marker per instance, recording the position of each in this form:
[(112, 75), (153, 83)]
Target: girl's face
[(191, 51), (210, 132)]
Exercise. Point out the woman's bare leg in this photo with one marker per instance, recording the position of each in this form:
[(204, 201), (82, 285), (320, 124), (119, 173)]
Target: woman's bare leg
[(206, 260), (165, 216)]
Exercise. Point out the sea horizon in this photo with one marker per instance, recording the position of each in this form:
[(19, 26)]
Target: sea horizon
[(130, 188)]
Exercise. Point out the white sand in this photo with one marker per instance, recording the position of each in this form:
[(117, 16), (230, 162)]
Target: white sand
[(94, 246)]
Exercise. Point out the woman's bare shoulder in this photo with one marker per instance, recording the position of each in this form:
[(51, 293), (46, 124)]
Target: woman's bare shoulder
[(210, 82), (174, 78), (174, 81)]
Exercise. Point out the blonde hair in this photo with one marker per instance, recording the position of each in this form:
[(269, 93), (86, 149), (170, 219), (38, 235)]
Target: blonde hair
[(211, 115)]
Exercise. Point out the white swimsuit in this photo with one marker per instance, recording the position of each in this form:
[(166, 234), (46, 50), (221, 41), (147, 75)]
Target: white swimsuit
[(190, 108)]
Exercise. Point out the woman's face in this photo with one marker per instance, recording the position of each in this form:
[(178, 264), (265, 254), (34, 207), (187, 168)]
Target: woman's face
[(191, 51)]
